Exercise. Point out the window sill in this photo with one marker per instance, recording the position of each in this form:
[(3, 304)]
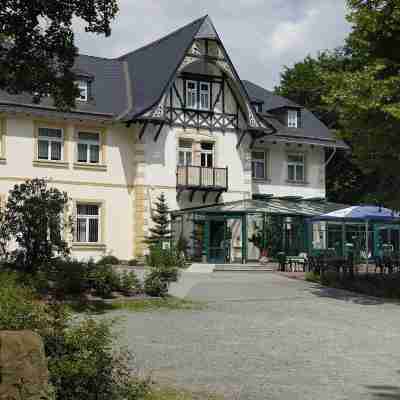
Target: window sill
[(51, 163), (92, 167), (88, 246), (297, 183), (3, 160)]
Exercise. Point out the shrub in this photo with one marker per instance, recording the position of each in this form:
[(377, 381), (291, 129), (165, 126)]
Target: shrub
[(34, 219), (132, 262), (164, 269), (129, 283), (104, 280), (18, 306), (182, 246), (70, 276), (164, 258), (312, 277), (108, 260), (81, 359), (154, 285)]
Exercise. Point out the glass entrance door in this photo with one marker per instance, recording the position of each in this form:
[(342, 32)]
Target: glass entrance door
[(217, 242), (225, 241)]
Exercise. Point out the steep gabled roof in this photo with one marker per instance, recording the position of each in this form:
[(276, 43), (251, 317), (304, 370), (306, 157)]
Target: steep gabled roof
[(311, 127), (152, 67)]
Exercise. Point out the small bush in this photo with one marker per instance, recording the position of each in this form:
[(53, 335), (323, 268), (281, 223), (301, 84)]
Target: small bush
[(164, 269), (104, 281), (70, 276), (19, 307), (108, 260), (155, 286), (312, 277), (129, 283), (132, 262)]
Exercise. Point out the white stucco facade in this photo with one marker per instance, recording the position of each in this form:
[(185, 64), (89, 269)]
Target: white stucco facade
[(129, 164)]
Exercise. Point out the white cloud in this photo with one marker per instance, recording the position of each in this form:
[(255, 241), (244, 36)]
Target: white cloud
[(260, 35), (288, 34)]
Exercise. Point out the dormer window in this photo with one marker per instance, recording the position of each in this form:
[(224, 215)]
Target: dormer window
[(292, 119), (83, 90), (198, 95)]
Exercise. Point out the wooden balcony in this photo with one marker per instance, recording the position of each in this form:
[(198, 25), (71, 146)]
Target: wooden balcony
[(196, 178)]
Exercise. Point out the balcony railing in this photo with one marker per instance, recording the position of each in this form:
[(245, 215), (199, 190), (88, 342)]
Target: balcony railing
[(195, 177)]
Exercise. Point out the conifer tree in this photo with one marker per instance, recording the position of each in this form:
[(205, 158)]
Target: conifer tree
[(161, 229)]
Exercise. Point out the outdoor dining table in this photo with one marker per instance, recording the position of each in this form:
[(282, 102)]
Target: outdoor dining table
[(294, 262)]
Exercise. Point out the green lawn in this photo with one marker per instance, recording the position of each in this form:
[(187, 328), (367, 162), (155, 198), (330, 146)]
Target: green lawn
[(135, 305)]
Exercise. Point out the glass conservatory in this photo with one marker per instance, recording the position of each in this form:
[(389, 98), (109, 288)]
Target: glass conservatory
[(240, 231)]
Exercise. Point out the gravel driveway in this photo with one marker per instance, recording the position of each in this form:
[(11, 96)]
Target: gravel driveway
[(264, 336)]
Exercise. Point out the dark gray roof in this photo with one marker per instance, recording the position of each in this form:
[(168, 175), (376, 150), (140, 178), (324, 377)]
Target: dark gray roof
[(108, 86), (109, 94), (152, 67), (311, 127), (271, 100)]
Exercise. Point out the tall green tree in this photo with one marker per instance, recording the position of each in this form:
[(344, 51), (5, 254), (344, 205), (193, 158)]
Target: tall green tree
[(305, 83), (368, 97), (37, 48), (161, 222)]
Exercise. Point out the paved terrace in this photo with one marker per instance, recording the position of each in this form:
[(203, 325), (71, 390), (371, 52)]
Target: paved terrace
[(264, 336)]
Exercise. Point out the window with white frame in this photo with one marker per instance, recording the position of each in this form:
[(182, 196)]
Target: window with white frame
[(292, 119), (296, 167), (207, 155), (83, 90), (87, 223), (50, 144), (204, 95), (88, 147), (185, 152), (258, 165), (198, 95), (191, 94)]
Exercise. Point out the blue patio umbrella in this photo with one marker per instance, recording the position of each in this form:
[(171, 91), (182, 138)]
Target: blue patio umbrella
[(361, 213)]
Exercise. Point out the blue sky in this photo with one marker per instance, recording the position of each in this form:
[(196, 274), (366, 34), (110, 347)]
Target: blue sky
[(261, 36)]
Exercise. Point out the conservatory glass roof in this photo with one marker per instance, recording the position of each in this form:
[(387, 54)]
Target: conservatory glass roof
[(282, 206)]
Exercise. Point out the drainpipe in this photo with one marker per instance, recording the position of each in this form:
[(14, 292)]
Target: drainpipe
[(330, 157), (323, 168)]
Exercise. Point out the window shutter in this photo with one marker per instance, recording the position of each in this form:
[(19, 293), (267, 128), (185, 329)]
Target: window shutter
[(299, 119)]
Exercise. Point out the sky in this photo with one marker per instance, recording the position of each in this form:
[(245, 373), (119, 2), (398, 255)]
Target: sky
[(261, 36)]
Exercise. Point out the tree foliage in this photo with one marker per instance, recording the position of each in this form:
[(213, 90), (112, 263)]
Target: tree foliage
[(35, 218), (358, 88), (37, 50), (368, 96), (305, 83)]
